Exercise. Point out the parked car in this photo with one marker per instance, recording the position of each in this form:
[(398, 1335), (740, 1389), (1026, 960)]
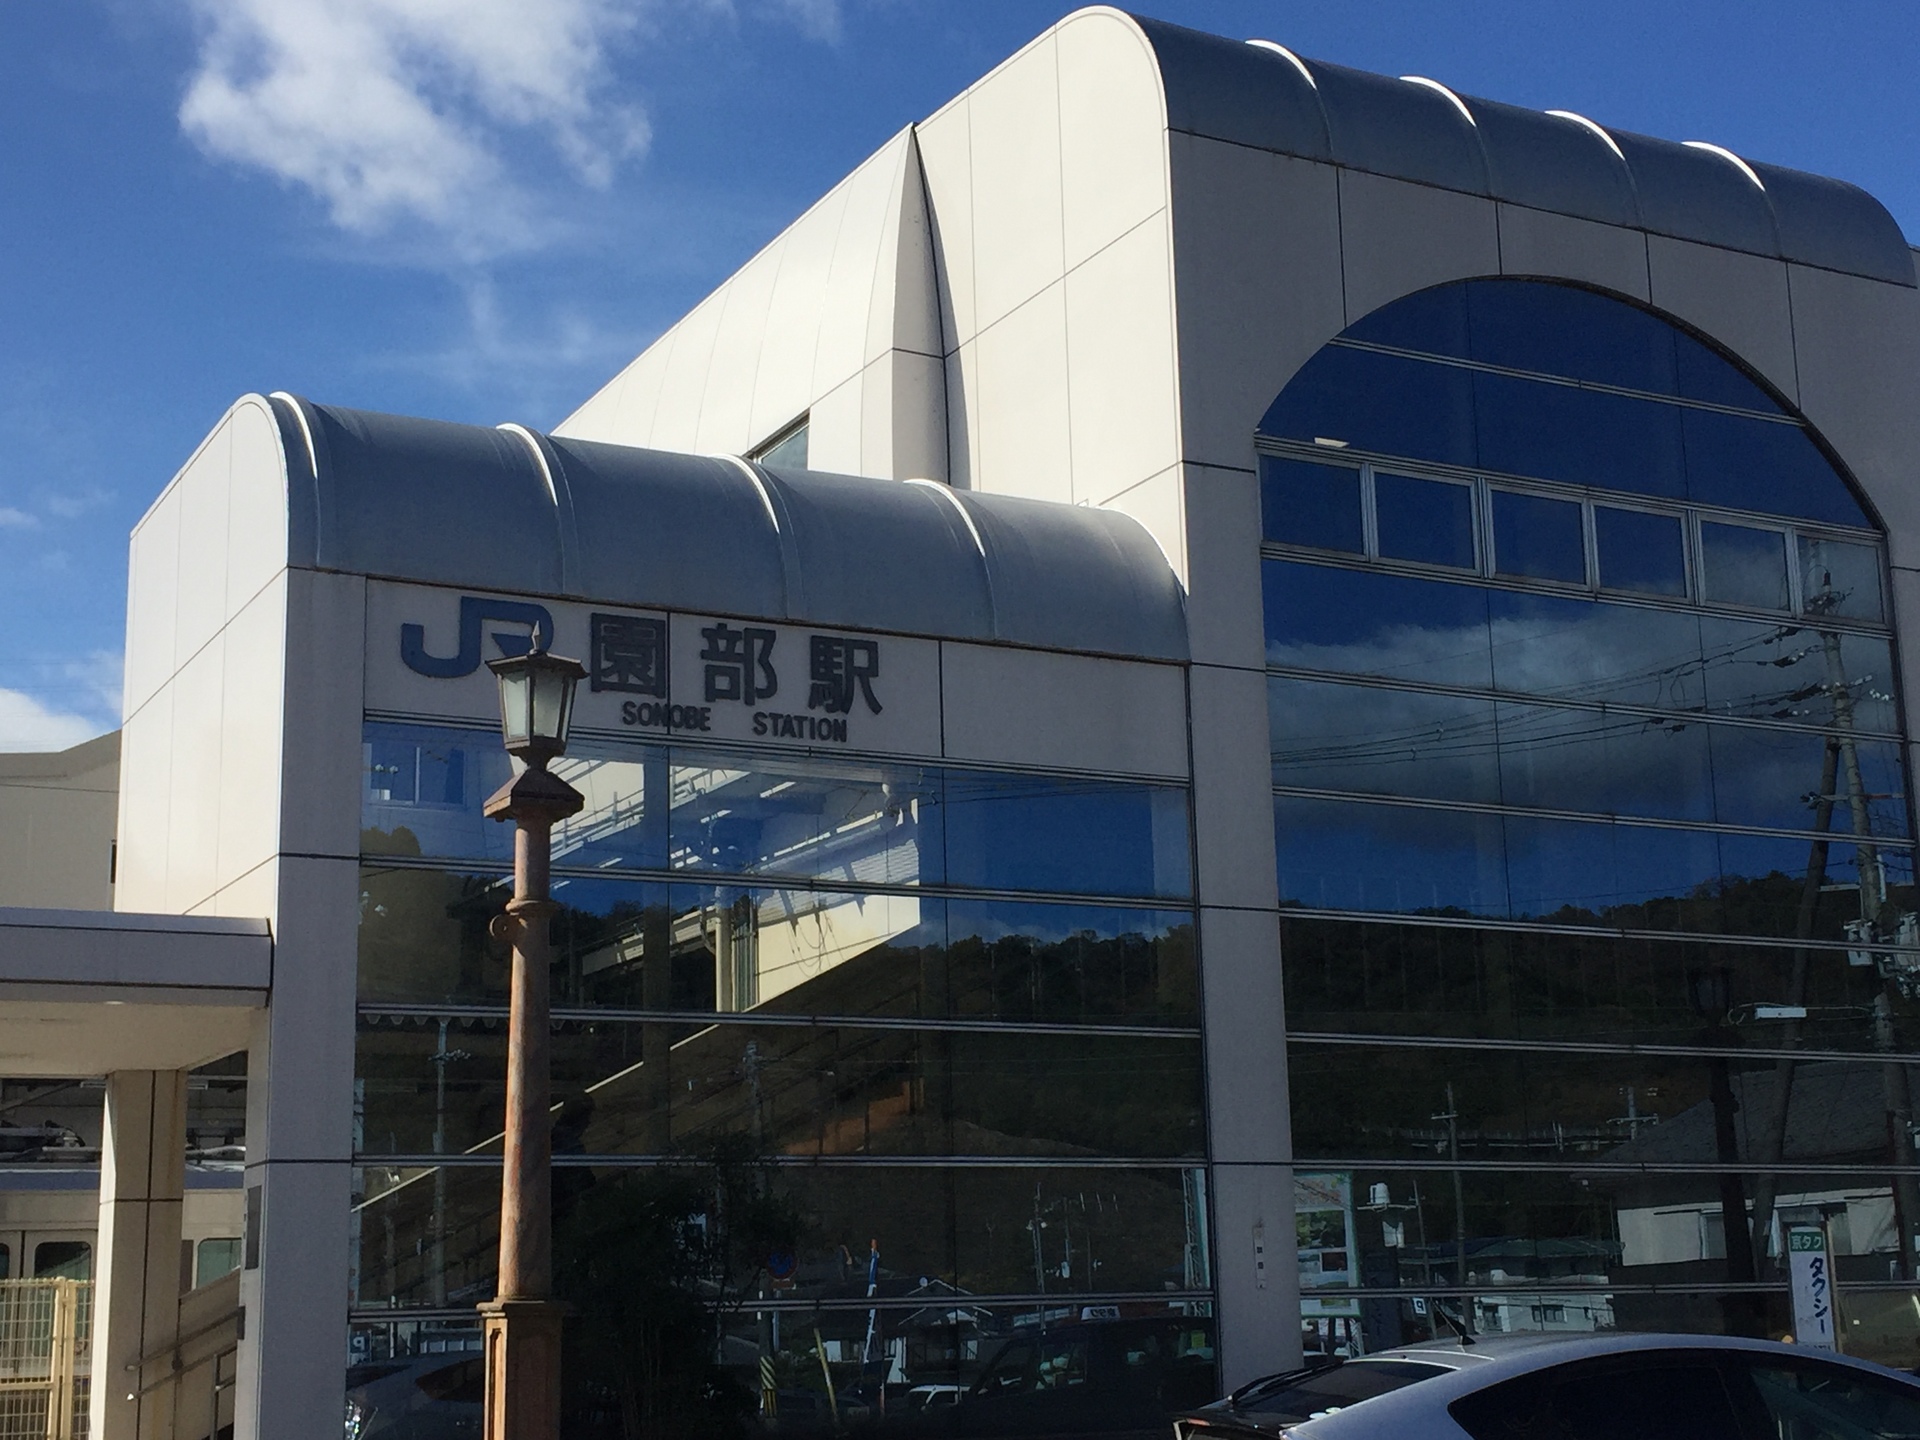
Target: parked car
[(1621, 1387), (432, 1397), (1104, 1378)]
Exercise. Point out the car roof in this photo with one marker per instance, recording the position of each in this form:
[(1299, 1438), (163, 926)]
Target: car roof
[(1504, 1357)]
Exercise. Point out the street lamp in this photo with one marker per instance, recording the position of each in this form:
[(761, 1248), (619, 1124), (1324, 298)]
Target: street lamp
[(522, 1322)]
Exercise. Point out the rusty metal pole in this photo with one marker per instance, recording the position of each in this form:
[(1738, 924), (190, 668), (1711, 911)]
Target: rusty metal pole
[(522, 1322)]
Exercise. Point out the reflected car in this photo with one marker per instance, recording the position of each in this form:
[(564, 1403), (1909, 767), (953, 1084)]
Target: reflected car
[(429, 1397), (1623, 1387), (1113, 1379)]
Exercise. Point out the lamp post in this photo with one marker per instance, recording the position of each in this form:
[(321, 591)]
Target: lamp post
[(522, 1322)]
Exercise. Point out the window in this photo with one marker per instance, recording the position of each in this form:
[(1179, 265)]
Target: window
[(1649, 1397), (1304, 503), (786, 448), (1839, 578), (1429, 521), (1640, 551), (63, 1259), (1538, 538), (1809, 1400), (1744, 566), (1301, 1395), (215, 1258)]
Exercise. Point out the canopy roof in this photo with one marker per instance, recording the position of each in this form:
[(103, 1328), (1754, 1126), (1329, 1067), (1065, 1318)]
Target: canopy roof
[(1260, 95), (512, 510)]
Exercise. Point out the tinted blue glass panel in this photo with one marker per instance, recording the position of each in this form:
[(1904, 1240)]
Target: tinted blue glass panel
[(1840, 579), (1605, 763), (1425, 520), (1775, 778), (1089, 837), (1588, 650), (1336, 856), (1743, 566), (1381, 742), (1576, 873), (1362, 622), (1561, 330), (1582, 437), (752, 813), (1763, 465), (1382, 403), (1706, 376), (1366, 856), (1434, 322), (1302, 503), (1769, 671), (1639, 551), (1538, 538)]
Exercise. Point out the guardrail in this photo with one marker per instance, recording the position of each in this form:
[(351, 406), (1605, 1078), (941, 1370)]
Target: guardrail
[(46, 1358)]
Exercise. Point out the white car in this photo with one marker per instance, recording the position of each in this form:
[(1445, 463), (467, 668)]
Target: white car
[(1617, 1387)]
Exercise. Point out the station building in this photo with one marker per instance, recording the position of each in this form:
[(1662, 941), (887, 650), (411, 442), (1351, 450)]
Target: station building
[(1226, 696)]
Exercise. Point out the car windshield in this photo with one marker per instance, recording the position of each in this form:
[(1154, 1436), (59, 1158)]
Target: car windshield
[(1317, 1392)]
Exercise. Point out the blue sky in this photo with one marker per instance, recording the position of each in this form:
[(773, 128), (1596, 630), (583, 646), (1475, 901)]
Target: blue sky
[(480, 209)]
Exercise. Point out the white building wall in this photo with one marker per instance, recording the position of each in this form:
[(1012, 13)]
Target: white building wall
[(57, 814), (835, 319), (239, 796)]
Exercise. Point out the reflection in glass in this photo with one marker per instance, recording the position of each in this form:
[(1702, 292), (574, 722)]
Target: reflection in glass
[(1530, 1108), (1377, 741), (1384, 404), (1426, 520), (630, 1088), (1640, 551), (1359, 855), (656, 807), (1538, 538), (1774, 469), (646, 945), (1158, 1363), (1410, 979), (1572, 649), (1365, 622), (1578, 436), (1336, 855), (1109, 1229), (1743, 566), (1307, 504), (1547, 1228), (1603, 762), (1537, 424), (1838, 578)]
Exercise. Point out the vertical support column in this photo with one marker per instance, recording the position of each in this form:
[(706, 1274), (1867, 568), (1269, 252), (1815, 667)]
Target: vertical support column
[(136, 1310), (1250, 1133)]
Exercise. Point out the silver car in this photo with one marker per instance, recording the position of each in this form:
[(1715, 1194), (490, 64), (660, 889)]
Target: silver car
[(1618, 1387)]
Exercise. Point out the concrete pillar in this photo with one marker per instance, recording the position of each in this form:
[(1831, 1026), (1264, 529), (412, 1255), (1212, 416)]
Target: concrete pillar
[(136, 1301)]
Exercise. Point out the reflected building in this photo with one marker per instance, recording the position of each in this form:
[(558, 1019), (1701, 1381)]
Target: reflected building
[(1236, 708)]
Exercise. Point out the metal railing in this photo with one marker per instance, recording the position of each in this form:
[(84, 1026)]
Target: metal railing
[(46, 1357)]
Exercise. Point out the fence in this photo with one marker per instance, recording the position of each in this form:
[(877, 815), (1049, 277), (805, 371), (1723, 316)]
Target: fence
[(46, 1355)]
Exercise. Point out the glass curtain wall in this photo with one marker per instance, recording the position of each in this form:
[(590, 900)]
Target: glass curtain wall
[(862, 1072), (1595, 849)]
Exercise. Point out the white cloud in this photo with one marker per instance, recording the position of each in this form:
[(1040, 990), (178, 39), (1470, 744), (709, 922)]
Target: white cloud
[(28, 724), (12, 519), (399, 111)]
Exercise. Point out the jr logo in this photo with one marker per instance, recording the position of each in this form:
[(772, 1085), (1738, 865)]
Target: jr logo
[(475, 611)]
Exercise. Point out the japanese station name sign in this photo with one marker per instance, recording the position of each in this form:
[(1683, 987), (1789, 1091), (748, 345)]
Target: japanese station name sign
[(658, 673)]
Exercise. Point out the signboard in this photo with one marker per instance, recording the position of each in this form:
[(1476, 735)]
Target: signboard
[(1323, 1237), (659, 674), (1809, 1273)]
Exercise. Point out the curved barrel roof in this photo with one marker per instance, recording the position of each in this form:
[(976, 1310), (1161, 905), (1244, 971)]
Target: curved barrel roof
[(1259, 95), (513, 510)]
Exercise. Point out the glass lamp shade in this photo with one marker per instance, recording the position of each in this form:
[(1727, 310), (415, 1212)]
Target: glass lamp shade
[(536, 703)]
